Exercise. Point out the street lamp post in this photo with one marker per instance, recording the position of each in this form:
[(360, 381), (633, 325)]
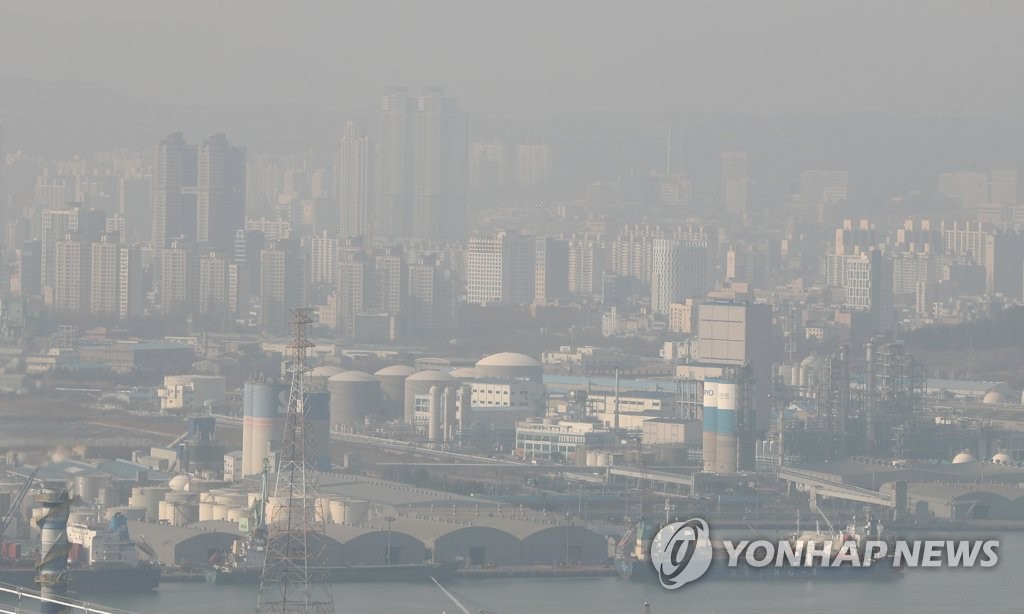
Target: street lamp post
[(387, 552)]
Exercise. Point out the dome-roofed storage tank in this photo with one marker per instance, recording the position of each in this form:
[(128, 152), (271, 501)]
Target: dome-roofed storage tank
[(510, 365), (317, 377), (354, 395), (418, 384), (392, 387), (963, 458)]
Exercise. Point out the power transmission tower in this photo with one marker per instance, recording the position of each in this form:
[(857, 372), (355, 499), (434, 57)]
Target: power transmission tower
[(294, 574)]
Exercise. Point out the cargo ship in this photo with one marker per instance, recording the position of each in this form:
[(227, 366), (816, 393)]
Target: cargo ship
[(102, 559), (633, 558)]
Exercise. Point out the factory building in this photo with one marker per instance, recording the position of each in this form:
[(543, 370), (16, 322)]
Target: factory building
[(191, 392), (559, 440)]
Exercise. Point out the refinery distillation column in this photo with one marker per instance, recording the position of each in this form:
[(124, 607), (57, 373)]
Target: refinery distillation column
[(294, 576), (54, 549)]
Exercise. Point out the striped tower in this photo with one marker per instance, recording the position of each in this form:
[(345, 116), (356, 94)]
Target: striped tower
[(726, 431), (54, 548), (710, 424)]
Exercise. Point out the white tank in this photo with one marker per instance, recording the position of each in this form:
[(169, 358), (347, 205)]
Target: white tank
[(434, 430), (220, 511), (352, 512), (237, 513), (337, 511), (205, 511), (323, 509)]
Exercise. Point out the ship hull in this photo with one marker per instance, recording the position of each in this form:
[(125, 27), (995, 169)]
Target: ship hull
[(356, 573), (93, 581)]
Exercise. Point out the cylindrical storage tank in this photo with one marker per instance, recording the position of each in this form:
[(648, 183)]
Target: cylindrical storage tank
[(725, 457), (205, 511), (87, 487), (354, 395), (237, 513), (323, 509), (337, 509), (275, 509), (710, 424), (220, 511), (591, 458), (247, 392), (434, 430), (604, 459), (269, 406), (510, 365), (153, 496), (451, 399), (392, 388), (418, 385), (352, 511), (465, 411), (316, 380), (318, 419)]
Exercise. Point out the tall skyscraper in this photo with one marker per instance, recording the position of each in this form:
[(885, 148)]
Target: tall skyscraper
[(440, 169), (217, 289), (174, 190), (220, 204), (353, 272), (354, 181), (394, 166), (532, 165), (736, 187)]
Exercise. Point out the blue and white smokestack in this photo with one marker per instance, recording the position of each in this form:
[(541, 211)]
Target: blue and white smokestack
[(51, 572)]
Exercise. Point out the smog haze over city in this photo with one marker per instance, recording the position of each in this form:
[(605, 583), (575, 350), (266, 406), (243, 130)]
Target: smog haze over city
[(492, 306)]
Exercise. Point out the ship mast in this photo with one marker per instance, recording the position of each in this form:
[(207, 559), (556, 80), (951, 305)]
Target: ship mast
[(294, 575)]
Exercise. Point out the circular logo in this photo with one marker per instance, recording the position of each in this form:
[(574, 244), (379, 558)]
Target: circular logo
[(681, 552)]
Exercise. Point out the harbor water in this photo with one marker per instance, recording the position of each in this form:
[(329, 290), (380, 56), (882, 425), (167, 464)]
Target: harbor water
[(921, 591)]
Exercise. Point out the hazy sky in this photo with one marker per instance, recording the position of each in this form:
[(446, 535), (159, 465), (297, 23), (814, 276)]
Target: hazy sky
[(536, 57)]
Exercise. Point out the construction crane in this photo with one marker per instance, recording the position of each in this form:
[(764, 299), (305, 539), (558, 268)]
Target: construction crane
[(5, 521)]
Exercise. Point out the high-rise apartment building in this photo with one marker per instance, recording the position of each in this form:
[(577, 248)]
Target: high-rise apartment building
[(70, 287), (678, 271), (104, 283), (736, 186), (175, 280), (220, 204), (217, 289), (354, 180), (532, 165), (551, 278), (282, 285), (394, 189), (501, 269), (175, 176), (440, 168), (131, 293)]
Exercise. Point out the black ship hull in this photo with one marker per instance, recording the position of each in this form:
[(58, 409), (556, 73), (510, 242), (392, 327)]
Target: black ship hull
[(92, 580)]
